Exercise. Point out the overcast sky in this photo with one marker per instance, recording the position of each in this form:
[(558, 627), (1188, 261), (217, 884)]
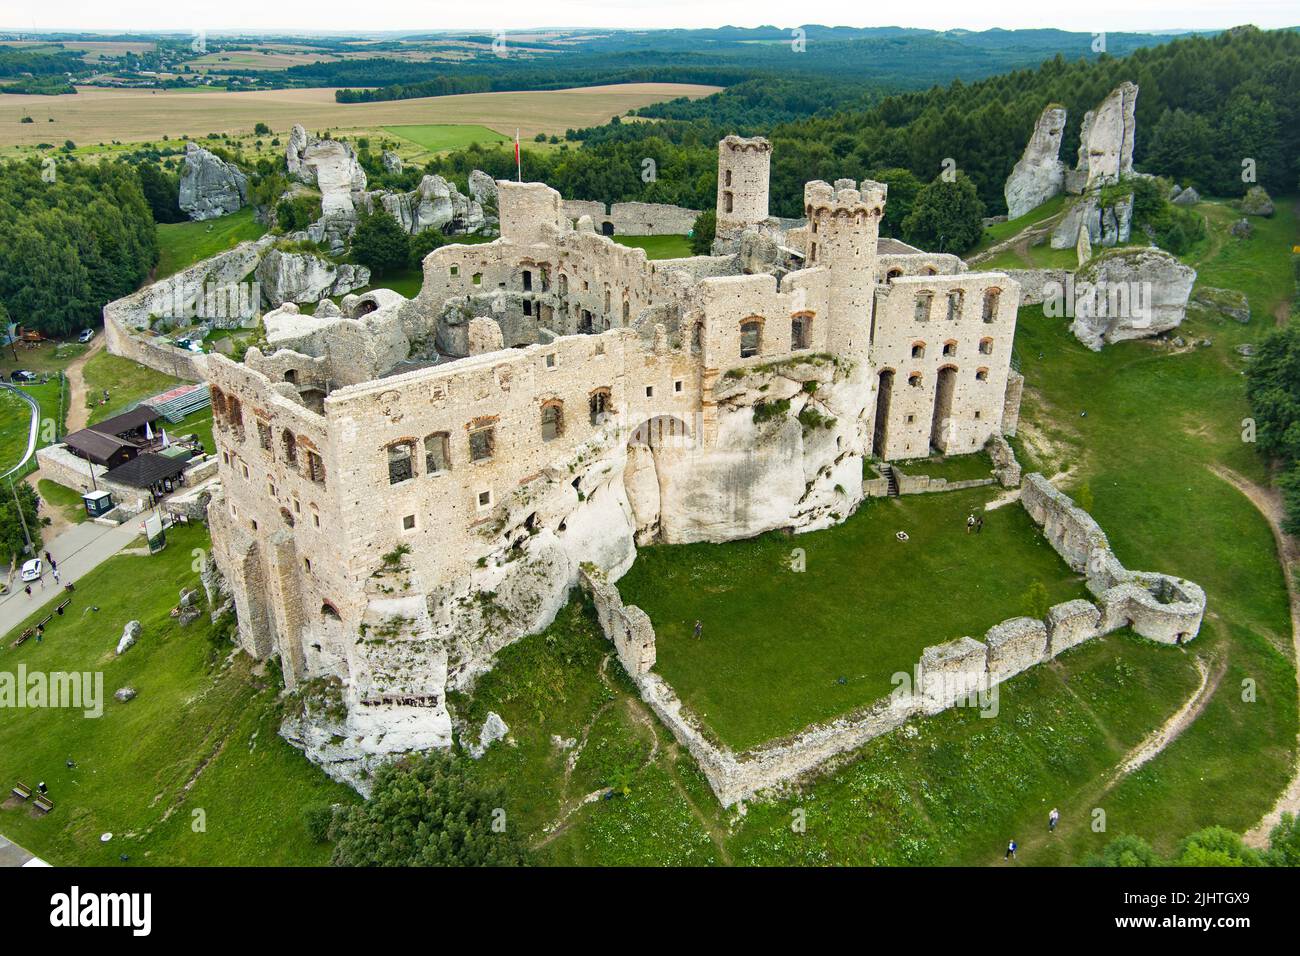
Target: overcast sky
[(350, 16)]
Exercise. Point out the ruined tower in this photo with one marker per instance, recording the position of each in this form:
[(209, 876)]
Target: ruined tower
[(843, 226), (744, 168)]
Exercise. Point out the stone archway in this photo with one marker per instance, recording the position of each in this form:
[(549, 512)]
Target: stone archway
[(940, 423), (651, 446)]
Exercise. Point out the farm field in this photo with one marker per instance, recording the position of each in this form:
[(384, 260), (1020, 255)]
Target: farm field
[(131, 116), (438, 137)]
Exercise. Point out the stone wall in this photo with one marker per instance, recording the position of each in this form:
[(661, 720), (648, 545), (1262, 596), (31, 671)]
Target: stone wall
[(960, 672), (633, 218)]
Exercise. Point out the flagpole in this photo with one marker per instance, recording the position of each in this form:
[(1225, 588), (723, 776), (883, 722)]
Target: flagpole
[(519, 165)]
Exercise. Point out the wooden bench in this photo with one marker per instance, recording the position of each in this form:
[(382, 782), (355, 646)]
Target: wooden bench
[(59, 610), (22, 638), (43, 803), (21, 790)]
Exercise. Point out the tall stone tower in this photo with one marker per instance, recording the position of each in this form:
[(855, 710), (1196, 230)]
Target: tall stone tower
[(744, 169), (843, 226)]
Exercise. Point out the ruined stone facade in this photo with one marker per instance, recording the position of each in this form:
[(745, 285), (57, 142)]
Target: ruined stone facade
[(404, 493)]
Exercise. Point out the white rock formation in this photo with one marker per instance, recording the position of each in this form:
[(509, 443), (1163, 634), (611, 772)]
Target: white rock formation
[(1130, 294), (332, 168), (494, 729), (303, 277), (392, 162), (1106, 141), (1040, 174), (130, 634), (210, 186)]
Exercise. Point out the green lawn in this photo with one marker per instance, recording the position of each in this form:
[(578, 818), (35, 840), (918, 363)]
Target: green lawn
[(127, 382), (1005, 230), (659, 247), (15, 420), (783, 649), (1041, 256), (199, 737), (438, 137), (182, 244), (66, 500), (951, 468)]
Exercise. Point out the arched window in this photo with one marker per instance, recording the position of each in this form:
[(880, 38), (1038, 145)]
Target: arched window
[(552, 420), (315, 467), (991, 297), (218, 405), (726, 202), (893, 274), (954, 305), (627, 311), (528, 280), (291, 376), (986, 346), (290, 447), (726, 178), (918, 350), (950, 348), (981, 375), (437, 453), (328, 610), (598, 405), (401, 465), (914, 380), (751, 338), (564, 284), (800, 324), (922, 309), (236, 417), (607, 301)]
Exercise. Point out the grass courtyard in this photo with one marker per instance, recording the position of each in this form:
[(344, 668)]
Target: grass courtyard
[(198, 746), (182, 244), (659, 247), (783, 649)]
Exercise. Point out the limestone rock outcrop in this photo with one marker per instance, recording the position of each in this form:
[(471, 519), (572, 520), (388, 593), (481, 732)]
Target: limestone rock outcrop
[(392, 162), (332, 168), (1130, 294), (210, 186), (1039, 175), (435, 204), (1257, 202), (1105, 225), (130, 634), (1185, 197), (1106, 141), (303, 277)]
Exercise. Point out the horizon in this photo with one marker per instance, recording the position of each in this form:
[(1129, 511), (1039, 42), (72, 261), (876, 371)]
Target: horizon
[(335, 18)]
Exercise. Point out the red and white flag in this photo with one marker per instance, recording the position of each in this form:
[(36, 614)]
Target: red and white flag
[(519, 167)]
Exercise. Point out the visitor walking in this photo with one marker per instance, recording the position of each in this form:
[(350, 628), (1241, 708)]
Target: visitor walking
[(970, 522), (1052, 819), (699, 629), (1011, 851), (979, 524), (28, 589), (55, 573)]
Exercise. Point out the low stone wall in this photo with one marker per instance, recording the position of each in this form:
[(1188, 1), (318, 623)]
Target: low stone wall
[(66, 469), (961, 672), (1034, 283), (634, 218)]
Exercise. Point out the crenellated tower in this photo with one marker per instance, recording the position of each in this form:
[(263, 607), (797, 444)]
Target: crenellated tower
[(744, 170), (843, 226)]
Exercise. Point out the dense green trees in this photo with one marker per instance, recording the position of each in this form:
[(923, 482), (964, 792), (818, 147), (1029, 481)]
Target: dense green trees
[(380, 243), (1213, 846), (161, 190), (1273, 389), (12, 538), (704, 232), (946, 217), (427, 811), (72, 237)]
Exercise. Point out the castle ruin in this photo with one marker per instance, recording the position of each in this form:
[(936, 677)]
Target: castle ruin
[(409, 485)]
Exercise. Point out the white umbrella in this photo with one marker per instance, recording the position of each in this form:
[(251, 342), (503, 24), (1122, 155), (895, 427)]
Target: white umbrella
[(148, 431), (166, 441)]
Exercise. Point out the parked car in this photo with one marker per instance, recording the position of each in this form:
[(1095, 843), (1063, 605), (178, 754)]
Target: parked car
[(85, 336), (33, 569), (22, 375)]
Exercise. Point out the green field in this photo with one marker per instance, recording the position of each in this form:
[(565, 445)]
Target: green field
[(15, 420), (439, 137), (1001, 231), (659, 247), (197, 747), (816, 644), (127, 383), (66, 500), (182, 244)]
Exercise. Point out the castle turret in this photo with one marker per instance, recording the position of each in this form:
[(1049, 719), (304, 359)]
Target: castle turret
[(743, 174), (843, 226)]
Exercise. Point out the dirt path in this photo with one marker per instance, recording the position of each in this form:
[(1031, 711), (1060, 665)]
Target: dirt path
[(1151, 746), (78, 413), (1268, 501)]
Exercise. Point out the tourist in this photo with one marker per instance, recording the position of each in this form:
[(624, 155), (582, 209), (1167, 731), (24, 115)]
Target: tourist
[(55, 573), (1052, 819), (970, 522), (28, 589), (1011, 851), (49, 560), (699, 629), (979, 524)]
